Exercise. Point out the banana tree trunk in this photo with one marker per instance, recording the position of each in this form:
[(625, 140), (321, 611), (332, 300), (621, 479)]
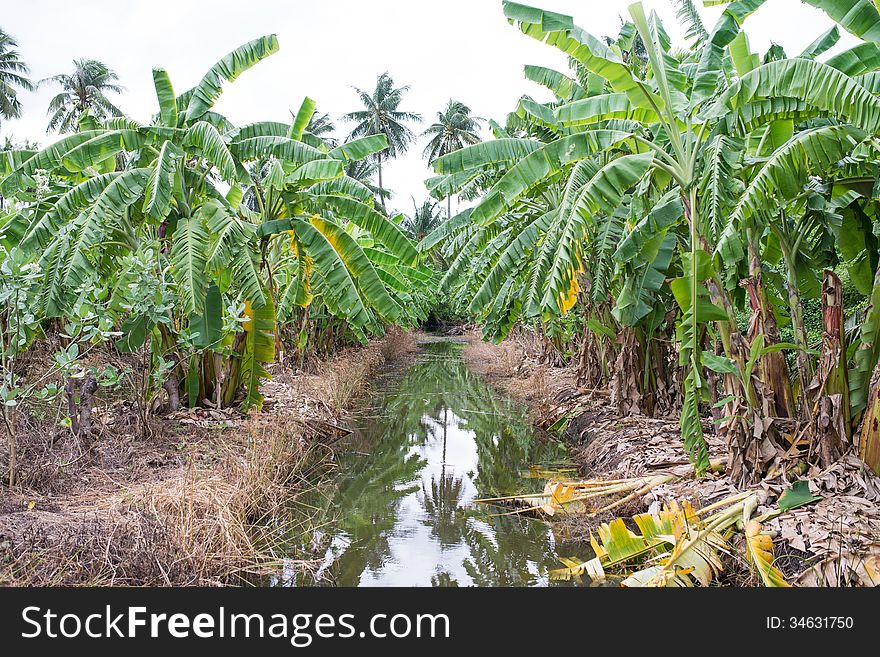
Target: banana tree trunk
[(721, 298), (796, 308), (592, 368), (866, 360), (869, 439), (829, 390), (714, 380), (866, 356), (662, 369), (232, 380), (627, 393), (772, 367), (589, 370), (749, 434)]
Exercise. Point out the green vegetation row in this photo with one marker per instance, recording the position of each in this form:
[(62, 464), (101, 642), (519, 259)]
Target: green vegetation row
[(198, 246), (674, 211)]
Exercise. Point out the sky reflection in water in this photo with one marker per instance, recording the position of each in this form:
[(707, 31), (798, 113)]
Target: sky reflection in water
[(437, 438)]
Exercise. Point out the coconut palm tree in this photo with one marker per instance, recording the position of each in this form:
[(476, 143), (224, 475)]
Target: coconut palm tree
[(454, 129), (10, 143), (363, 171), (382, 116), (425, 218), (83, 91), (13, 74), (321, 125)]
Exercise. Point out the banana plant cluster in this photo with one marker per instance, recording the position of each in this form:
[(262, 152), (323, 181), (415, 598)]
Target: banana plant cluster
[(208, 239), (665, 193)]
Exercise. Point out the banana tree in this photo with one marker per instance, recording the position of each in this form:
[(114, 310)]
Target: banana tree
[(178, 183), (647, 161), (637, 139), (838, 112)]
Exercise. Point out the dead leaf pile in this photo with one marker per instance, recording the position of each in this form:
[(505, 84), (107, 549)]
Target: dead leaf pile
[(841, 538), (634, 445), (839, 535), (849, 476), (207, 418)]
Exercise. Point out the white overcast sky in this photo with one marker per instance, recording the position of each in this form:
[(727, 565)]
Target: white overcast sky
[(462, 49)]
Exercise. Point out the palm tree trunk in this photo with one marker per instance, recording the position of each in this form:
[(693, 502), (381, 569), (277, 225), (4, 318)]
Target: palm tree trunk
[(449, 206), (445, 425), (381, 189)]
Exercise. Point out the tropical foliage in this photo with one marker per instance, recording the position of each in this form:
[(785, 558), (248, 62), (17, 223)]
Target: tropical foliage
[(84, 91), (381, 115), (695, 229), (205, 245), (673, 212)]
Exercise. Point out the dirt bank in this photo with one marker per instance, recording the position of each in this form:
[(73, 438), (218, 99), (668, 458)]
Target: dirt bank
[(835, 542), (205, 500)]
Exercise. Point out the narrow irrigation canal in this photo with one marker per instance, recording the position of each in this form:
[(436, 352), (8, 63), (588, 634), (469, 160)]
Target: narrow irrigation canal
[(436, 438)]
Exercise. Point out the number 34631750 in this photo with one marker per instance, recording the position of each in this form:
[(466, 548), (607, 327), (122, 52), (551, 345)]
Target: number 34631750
[(810, 622)]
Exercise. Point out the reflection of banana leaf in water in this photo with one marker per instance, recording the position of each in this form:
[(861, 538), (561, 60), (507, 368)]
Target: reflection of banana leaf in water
[(510, 559), (500, 465), (368, 500), (362, 505), (365, 508)]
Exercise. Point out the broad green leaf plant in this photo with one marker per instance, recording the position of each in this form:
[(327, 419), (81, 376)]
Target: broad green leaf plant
[(710, 181), (239, 228)]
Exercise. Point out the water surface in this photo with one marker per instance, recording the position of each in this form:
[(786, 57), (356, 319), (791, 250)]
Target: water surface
[(401, 509)]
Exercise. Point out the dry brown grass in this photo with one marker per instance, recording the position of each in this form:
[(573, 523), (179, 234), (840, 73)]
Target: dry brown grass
[(513, 368), (217, 508), (194, 526), (339, 380)]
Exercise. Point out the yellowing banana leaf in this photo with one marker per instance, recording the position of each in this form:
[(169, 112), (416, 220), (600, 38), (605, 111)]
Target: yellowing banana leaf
[(620, 544), (570, 496), (560, 495), (575, 568), (695, 545), (760, 555), (652, 576)]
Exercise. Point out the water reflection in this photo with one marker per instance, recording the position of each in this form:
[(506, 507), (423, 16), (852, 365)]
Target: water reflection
[(402, 506)]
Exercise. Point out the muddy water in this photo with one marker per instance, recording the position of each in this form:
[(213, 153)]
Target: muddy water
[(401, 510)]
